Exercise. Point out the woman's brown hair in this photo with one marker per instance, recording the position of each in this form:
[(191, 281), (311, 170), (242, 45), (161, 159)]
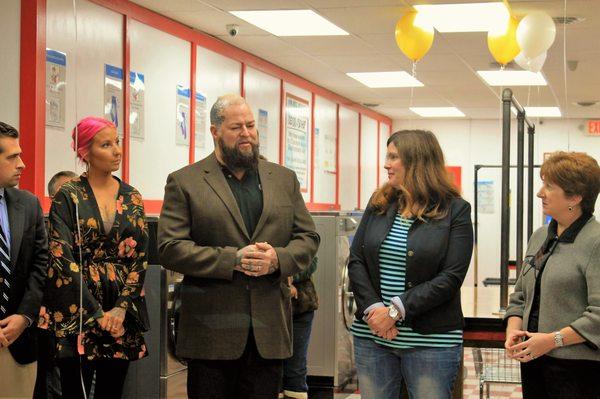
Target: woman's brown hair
[(427, 189), (576, 173)]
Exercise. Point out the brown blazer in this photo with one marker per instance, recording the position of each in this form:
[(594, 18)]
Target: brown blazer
[(199, 232)]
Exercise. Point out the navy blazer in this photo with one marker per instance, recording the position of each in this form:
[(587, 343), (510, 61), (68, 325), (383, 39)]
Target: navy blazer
[(29, 260), (438, 256)]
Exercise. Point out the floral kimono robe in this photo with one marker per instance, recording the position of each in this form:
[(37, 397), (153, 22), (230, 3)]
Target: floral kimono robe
[(112, 265)]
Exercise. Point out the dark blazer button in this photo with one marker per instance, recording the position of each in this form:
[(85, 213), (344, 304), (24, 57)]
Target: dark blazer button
[(411, 253), (409, 284)]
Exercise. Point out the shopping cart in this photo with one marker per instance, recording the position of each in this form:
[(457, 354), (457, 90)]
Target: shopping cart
[(493, 366)]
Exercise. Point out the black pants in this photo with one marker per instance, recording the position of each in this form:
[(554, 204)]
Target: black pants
[(47, 382), (552, 378), (110, 377), (249, 377)]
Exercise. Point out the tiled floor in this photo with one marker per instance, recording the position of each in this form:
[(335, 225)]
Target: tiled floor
[(470, 385)]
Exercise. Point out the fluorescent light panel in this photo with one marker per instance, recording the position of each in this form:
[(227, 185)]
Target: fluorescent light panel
[(546, 112), (386, 79), (471, 17), (513, 78), (291, 22), (437, 112)]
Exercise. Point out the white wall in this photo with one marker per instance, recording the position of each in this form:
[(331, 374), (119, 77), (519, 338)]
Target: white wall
[(348, 159), (384, 134), (262, 93), (479, 142), (164, 60), (98, 42), (215, 75), (325, 126), (10, 25), (368, 159)]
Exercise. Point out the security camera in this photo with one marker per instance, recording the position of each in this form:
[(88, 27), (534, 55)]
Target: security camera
[(233, 30)]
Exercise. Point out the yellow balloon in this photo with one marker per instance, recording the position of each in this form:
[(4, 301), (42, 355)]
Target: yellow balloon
[(414, 36), (503, 44)]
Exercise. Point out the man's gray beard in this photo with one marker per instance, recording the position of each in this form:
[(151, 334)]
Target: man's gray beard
[(237, 160)]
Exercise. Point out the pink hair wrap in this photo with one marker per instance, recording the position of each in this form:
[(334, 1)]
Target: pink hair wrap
[(85, 131)]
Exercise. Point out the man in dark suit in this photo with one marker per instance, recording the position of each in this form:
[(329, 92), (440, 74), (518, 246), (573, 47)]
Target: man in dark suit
[(236, 227), (23, 261)]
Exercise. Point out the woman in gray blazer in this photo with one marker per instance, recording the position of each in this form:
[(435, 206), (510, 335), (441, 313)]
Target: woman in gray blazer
[(553, 319)]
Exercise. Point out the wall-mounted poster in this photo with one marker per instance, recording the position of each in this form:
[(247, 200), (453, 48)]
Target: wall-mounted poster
[(136, 105), (297, 152), (56, 77), (263, 130), (113, 96), (325, 150), (485, 196), (200, 134), (182, 118)]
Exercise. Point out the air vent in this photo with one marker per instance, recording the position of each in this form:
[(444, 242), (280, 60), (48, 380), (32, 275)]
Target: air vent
[(371, 105), (568, 20), (585, 103)]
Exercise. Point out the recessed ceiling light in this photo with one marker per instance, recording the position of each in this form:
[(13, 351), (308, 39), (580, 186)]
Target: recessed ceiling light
[(513, 78), (437, 112), (471, 17), (546, 112), (386, 79), (291, 22)]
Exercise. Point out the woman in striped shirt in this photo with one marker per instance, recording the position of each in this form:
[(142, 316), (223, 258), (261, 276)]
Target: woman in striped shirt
[(407, 263)]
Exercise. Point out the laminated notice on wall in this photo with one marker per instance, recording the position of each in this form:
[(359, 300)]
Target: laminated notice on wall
[(263, 130), (182, 118), (113, 96), (200, 133), (325, 150), (297, 138), (137, 90), (56, 77), (485, 196)]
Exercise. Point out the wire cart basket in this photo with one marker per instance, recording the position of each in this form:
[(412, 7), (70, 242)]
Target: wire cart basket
[(493, 366)]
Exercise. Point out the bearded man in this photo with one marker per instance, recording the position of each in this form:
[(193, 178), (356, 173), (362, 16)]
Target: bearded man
[(236, 227)]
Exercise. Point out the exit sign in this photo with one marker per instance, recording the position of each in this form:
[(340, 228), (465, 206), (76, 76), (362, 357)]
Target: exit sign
[(594, 127)]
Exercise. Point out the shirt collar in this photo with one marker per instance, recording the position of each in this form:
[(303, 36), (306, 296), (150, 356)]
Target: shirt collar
[(227, 172), (570, 232)]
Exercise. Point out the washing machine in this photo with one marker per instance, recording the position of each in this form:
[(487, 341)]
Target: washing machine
[(161, 374), (330, 360)]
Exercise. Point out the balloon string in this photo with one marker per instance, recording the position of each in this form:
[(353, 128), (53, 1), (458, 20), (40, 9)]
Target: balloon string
[(412, 91), (565, 68)]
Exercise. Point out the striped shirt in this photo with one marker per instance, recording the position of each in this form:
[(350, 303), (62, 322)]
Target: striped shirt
[(392, 268)]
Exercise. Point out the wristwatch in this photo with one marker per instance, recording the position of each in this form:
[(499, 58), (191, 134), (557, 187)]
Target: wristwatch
[(394, 313), (558, 339)]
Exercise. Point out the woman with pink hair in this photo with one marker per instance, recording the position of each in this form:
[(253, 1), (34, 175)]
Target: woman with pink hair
[(98, 240)]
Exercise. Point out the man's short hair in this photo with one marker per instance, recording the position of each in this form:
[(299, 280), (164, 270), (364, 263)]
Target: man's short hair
[(7, 130), (52, 190), (219, 107)]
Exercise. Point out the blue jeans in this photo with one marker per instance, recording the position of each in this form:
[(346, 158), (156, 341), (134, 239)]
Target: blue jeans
[(429, 373), (294, 368)]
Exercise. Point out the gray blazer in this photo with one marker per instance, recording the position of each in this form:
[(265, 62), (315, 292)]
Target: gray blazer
[(570, 291), (199, 232)]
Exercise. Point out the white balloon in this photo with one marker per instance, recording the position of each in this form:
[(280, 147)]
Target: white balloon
[(536, 64), (531, 64), (521, 60), (536, 33)]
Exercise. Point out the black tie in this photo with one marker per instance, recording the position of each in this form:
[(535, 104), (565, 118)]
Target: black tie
[(4, 273)]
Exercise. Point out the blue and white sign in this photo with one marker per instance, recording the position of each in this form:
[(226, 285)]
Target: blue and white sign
[(182, 116), (56, 78), (201, 117)]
